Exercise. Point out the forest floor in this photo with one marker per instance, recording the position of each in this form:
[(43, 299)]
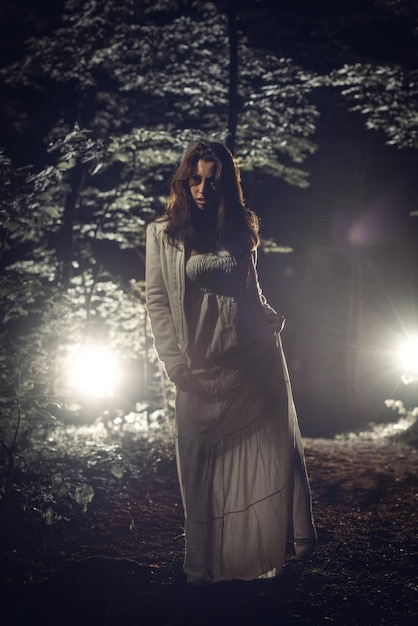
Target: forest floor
[(120, 561)]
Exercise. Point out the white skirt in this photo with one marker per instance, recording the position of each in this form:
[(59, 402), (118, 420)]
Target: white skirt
[(241, 470)]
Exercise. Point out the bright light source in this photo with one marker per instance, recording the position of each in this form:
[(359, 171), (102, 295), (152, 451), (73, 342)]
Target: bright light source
[(408, 358), (94, 371)]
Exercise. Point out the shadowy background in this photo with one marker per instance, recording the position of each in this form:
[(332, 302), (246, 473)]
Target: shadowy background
[(348, 286)]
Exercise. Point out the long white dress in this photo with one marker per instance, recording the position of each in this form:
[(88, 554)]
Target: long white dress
[(240, 461)]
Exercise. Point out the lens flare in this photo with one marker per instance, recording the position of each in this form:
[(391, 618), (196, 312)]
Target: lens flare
[(94, 371), (408, 358)]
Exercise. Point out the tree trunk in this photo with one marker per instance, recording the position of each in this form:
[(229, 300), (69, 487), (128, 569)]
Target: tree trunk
[(65, 251), (233, 75)]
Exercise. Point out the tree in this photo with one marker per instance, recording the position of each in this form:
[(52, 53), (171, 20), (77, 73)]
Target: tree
[(128, 87), (387, 95), (121, 89)]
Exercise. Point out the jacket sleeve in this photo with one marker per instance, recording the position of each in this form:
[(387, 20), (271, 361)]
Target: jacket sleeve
[(273, 318), (158, 305)]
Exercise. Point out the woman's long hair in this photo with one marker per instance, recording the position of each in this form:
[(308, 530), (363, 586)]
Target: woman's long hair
[(234, 226)]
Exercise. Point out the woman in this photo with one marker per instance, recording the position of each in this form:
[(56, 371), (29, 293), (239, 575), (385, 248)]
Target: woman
[(239, 454)]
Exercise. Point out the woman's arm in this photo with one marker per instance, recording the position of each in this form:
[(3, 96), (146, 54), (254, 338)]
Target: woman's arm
[(274, 319), (158, 305)]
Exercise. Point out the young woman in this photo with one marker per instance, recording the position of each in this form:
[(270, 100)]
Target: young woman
[(240, 461)]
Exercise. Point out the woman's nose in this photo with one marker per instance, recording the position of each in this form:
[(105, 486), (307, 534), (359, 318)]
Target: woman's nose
[(202, 187)]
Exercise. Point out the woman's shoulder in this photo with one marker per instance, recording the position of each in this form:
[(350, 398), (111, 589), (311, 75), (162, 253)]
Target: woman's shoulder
[(158, 224)]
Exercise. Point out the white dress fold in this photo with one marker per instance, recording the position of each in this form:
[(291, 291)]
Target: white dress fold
[(240, 460)]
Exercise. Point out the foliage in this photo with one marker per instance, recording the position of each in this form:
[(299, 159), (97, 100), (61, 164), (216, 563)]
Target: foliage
[(269, 245), (387, 95), (60, 465), (109, 97), (24, 361), (14, 202), (134, 67), (127, 87), (400, 7)]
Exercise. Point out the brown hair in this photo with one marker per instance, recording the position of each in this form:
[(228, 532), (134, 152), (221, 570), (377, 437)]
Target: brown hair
[(233, 221)]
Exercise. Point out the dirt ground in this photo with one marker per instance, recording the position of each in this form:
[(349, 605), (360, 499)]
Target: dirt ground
[(120, 562)]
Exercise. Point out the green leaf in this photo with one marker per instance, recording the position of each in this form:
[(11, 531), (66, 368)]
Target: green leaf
[(83, 495), (52, 211), (67, 165), (117, 470), (11, 226), (123, 157)]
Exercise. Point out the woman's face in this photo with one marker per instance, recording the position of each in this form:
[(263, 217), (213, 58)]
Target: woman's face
[(204, 188)]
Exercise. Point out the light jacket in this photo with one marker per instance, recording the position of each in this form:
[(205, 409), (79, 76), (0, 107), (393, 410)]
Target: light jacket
[(165, 295)]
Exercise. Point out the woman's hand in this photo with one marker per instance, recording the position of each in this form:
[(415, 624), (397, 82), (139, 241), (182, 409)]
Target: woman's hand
[(181, 377)]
